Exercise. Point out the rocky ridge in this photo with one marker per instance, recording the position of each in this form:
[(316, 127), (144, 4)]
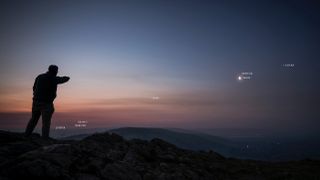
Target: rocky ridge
[(109, 156)]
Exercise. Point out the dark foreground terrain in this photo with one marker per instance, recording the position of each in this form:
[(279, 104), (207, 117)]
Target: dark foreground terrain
[(109, 156)]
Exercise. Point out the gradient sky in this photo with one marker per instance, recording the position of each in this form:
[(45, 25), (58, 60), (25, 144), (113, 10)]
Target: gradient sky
[(164, 63)]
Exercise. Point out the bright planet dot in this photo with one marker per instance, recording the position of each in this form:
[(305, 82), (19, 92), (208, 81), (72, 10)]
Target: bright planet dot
[(239, 78)]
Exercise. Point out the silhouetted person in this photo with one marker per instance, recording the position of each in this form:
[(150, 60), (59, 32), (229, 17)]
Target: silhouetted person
[(44, 93)]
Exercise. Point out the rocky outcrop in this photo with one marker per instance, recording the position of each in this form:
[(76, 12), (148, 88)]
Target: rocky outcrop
[(109, 156)]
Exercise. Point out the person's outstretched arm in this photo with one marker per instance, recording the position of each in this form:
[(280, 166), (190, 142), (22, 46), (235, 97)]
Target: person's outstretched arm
[(62, 79)]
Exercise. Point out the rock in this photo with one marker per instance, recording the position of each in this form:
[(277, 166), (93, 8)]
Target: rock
[(119, 171), (86, 177)]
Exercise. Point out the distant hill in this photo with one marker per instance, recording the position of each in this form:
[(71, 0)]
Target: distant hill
[(259, 148), (181, 138), (109, 156)]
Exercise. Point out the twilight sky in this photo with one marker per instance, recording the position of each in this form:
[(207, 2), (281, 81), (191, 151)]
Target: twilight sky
[(164, 63)]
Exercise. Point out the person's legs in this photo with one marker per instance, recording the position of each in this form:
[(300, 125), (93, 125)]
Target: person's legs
[(47, 112), (36, 113)]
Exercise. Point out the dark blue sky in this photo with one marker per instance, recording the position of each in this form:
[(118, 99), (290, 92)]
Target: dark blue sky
[(121, 54)]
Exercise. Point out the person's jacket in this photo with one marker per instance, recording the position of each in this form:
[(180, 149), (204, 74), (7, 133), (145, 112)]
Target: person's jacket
[(45, 87)]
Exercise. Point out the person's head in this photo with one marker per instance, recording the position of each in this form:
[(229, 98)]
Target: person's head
[(53, 69)]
